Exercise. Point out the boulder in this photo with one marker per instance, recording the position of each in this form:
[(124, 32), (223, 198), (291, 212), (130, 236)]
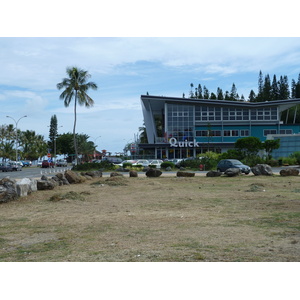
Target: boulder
[(185, 174), (133, 173), (262, 169), (8, 190), (114, 174), (289, 172), (72, 177), (48, 184), (26, 186), (231, 172), (92, 173), (213, 174), (153, 173)]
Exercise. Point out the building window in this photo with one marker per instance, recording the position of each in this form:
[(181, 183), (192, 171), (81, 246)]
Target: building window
[(230, 133), (180, 122), (245, 132), (270, 131), (286, 131)]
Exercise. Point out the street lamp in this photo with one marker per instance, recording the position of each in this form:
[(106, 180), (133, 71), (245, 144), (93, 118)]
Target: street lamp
[(16, 133)]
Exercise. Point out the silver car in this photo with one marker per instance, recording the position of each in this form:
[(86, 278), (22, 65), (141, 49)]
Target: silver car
[(225, 164)]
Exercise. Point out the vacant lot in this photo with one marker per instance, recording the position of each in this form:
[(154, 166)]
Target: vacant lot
[(247, 218)]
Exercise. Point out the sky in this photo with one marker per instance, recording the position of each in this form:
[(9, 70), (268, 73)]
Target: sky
[(131, 49), (125, 68)]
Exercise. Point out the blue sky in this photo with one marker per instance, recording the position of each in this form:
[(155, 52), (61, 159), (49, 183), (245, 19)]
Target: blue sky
[(124, 68), (161, 48)]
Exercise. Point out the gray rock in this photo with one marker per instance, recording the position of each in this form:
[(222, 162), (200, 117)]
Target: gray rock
[(231, 172), (114, 174), (8, 190), (262, 169), (289, 172), (46, 184), (72, 177), (153, 173), (185, 174), (133, 173), (213, 174), (26, 186)]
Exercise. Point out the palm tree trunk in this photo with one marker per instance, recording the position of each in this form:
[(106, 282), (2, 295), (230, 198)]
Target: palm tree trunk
[(74, 130)]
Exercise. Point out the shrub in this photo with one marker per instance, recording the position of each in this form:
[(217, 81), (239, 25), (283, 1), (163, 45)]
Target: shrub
[(209, 160), (127, 165), (167, 164), (190, 163), (296, 156), (252, 161), (106, 165), (152, 166)]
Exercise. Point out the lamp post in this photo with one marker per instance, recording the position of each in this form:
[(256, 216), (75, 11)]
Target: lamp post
[(16, 122)]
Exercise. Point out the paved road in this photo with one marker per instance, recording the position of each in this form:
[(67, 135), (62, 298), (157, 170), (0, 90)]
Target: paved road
[(32, 172)]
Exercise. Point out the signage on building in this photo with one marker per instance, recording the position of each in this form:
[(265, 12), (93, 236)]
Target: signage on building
[(174, 143)]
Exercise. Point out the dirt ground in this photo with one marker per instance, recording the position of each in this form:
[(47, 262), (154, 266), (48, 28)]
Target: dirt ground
[(246, 218)]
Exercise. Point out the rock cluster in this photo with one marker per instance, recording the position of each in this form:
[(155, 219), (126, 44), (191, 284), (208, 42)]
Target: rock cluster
[(10, 189)]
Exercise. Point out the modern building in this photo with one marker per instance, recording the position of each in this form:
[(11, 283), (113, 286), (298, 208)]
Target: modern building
[(186, 127)]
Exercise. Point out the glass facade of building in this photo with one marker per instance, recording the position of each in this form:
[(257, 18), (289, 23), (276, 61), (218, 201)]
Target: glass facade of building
[(180, 122)]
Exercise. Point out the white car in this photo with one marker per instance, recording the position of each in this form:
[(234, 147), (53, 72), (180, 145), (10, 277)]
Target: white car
[(126, 161), (143, 162), (156, 162), (61, 163)]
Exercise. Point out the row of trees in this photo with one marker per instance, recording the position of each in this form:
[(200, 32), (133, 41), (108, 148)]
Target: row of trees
[(268, 90), (64, 143), (31, 145)]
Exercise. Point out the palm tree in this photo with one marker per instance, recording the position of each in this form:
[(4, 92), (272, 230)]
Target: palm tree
[(76, 86)]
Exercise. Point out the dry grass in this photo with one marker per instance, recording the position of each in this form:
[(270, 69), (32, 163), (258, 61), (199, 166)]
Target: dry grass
[(156, 219)]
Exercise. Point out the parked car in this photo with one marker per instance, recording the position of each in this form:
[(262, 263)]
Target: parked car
[(130, 161), (225, 164), (16, 165), (156, 162), (47, 164), (39, 163), (6, 167), (142, 162), (61, 163), (26, 163), (114, 160), (176, 161)]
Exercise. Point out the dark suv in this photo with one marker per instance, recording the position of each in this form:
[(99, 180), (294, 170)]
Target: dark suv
[(225, 164)]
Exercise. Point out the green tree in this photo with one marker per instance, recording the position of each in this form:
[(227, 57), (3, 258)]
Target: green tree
[(76, 87), (270, 145), (267, 88), (249, 146), (274, 89), (252, 96), (53, 132), (205, 92), (33, 145), (220, 95), (284, 92), (233, 93), (259, 96)]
